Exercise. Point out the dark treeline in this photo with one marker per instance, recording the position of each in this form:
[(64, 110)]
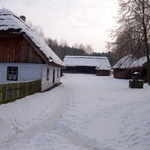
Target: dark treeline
[(63, 49), (110, 55)]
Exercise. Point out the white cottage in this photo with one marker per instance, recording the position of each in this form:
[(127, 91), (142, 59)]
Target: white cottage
[(24, 56)]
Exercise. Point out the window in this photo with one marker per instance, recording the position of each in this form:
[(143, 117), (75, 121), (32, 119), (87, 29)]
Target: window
[(57, 73), (47, 73), (12, 73)]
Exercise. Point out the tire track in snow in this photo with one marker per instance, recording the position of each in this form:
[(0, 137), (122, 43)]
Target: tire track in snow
[(82, 142), (76, 139), (50, 126), (25, 134), (34, 126), (79, 140)]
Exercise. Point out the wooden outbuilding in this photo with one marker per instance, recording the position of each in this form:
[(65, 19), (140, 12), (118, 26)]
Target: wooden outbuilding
[(140, 65), (87, 64), (122, 67), (104, 67), (24, 56)]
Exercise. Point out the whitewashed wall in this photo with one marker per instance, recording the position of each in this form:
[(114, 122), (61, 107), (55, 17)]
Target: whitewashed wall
[(57, 75), (46, 84), (28, 72)]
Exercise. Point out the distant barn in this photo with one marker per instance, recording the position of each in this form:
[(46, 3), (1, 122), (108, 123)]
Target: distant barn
[(87, 64)]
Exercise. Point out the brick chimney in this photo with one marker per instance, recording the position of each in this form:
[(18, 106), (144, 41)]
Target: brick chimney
[(23, 18)]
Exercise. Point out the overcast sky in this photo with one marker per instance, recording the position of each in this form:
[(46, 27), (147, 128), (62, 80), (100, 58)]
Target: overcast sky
[(76, 21)]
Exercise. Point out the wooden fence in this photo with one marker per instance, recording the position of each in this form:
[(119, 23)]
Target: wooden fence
[(12, 91)]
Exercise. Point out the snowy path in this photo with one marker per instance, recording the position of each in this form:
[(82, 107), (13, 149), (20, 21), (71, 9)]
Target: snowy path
[(85, 112)]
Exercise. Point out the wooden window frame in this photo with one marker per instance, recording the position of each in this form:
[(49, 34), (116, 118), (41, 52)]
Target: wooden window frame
[(12, 73)]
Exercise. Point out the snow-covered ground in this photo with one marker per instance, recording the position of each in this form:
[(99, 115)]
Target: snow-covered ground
[(86, 112)]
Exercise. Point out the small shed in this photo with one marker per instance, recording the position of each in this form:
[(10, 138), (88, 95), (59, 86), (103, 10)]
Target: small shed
[(140, 65), (87, 64), (24, 56), (104, 67), (121, 68)]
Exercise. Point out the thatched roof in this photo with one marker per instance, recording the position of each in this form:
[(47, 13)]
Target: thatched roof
[(139, 63), (125, 62), (100, 63)]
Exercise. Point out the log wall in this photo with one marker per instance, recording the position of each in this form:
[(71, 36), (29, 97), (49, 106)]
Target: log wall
[(16, 49)]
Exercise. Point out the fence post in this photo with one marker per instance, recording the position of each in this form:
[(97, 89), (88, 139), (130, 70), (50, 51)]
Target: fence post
[(3, 93)]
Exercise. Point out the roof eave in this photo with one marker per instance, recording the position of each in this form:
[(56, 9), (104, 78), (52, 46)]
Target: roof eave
[(56, 65)]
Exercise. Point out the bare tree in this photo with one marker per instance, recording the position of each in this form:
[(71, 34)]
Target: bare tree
[(89, 49), (134, 30), (36, 28), (63, 43)]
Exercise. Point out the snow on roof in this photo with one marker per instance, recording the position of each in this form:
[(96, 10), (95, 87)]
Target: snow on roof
[(14, 25), (101, 63), (140, 62), (125, 62)]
